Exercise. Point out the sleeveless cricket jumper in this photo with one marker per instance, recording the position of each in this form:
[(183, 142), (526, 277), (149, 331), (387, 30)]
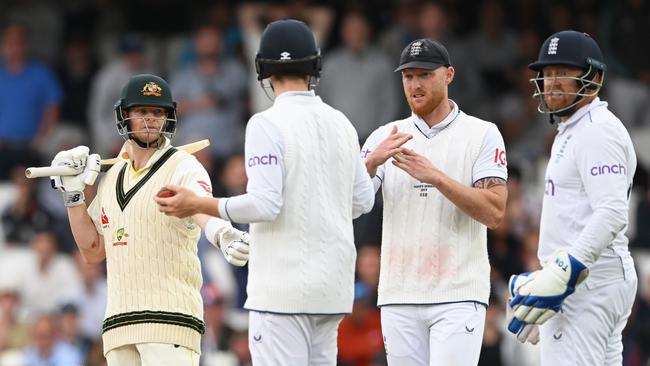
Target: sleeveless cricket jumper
[(433, 252), (320, 155), (153, 271)]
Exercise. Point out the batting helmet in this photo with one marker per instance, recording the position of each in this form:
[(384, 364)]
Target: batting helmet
[(145, 90), (570, 48), (287, 47)]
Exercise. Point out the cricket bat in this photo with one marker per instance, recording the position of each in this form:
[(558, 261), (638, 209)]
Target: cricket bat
[(46, 171)]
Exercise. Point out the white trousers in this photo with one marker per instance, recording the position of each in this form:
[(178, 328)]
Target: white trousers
[(152, 354), (293, 340), (427, 335), (588, 329)]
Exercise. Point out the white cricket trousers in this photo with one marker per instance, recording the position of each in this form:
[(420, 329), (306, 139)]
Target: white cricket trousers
[(152, 354), (293, 339), (588, 329), (439, 334)]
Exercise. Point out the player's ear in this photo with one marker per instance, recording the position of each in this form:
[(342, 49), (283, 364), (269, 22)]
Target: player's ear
[(450, 75)]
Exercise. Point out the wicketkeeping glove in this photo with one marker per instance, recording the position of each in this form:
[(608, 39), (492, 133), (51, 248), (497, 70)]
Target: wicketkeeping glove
[(528, 332), (234, 245), (87, 168), (541, 293)]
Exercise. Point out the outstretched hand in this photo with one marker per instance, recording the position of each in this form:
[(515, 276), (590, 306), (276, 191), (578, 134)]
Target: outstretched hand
[(176, 201), (387, 148), (417, 166)]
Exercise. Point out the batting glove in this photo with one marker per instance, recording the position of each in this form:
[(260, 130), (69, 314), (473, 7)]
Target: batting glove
[(234, 245), (87, 168), (541, 294), (527, 332)]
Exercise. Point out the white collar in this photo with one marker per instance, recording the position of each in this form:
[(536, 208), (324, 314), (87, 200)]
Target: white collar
[(577, 115), (430, 132), (289, 94)]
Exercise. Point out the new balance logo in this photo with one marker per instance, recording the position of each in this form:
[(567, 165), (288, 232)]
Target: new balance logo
[(416, 48), (285, 56), (469, 330), (552, 47), (257, 338)]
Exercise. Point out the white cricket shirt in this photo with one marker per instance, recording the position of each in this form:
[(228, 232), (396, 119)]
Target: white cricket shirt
[(588, 182), (264, 154)]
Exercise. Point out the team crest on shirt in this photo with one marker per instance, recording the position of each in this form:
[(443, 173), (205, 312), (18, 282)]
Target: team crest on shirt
[(104, 219), (119, 237), (151, 88)]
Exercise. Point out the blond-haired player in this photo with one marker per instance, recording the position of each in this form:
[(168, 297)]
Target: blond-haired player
[(154, 314)]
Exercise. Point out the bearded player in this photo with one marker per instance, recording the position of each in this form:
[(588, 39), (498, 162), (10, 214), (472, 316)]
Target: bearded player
[(443, 177)]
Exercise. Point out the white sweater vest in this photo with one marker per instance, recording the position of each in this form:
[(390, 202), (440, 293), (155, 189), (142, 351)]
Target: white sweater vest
[(303, 262), (153, 271), (432, 252)]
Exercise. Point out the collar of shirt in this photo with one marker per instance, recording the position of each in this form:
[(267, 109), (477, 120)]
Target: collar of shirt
[(126, 156), (577, 115), (430, 132), (289, 94)]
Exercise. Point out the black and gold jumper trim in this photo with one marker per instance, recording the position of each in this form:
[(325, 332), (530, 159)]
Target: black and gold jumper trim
[(162, 317), (124, 198)]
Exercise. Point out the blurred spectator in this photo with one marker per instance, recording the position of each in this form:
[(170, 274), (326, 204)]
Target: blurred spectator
[(44, 20), (25, 216), (14, 332), (367, 271), (106, 89), (360, 340), (210, 95), (29, 100), (626, 27), (47, 349), (76, 74), (89, 297), (494, 55), (47, 276), (71, 332), (360, 69), (217, 333)]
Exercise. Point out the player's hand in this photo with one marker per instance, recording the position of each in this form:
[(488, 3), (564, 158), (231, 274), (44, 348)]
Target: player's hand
[(528, 332), (177, 201), (87, 168), (541, 294), (387, 148), (234, 245), (417, 166)]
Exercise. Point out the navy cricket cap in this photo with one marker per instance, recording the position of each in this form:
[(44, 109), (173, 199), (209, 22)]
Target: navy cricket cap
[(423, 54), (569, 48)]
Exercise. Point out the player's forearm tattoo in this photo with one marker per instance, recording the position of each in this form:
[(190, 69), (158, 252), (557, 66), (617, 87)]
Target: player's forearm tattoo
[(489, 182)]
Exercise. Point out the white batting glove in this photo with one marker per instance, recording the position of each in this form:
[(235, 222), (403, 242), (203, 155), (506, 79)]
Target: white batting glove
[(87, 168), (527, 332), (234, 245), (540, 295)]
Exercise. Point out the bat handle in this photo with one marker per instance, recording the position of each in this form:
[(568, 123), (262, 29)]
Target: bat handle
[(46, 171)]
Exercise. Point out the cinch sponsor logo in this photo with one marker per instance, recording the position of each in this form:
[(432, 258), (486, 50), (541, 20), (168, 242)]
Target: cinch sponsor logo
[(550, 188), (263, 160), (608, 169)]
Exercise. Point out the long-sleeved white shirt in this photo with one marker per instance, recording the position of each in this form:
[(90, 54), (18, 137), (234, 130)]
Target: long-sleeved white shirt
[(264, 154), (588, 182), (491, 160)]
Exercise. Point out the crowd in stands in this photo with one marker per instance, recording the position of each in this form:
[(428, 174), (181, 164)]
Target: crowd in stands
[(62, 65)]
